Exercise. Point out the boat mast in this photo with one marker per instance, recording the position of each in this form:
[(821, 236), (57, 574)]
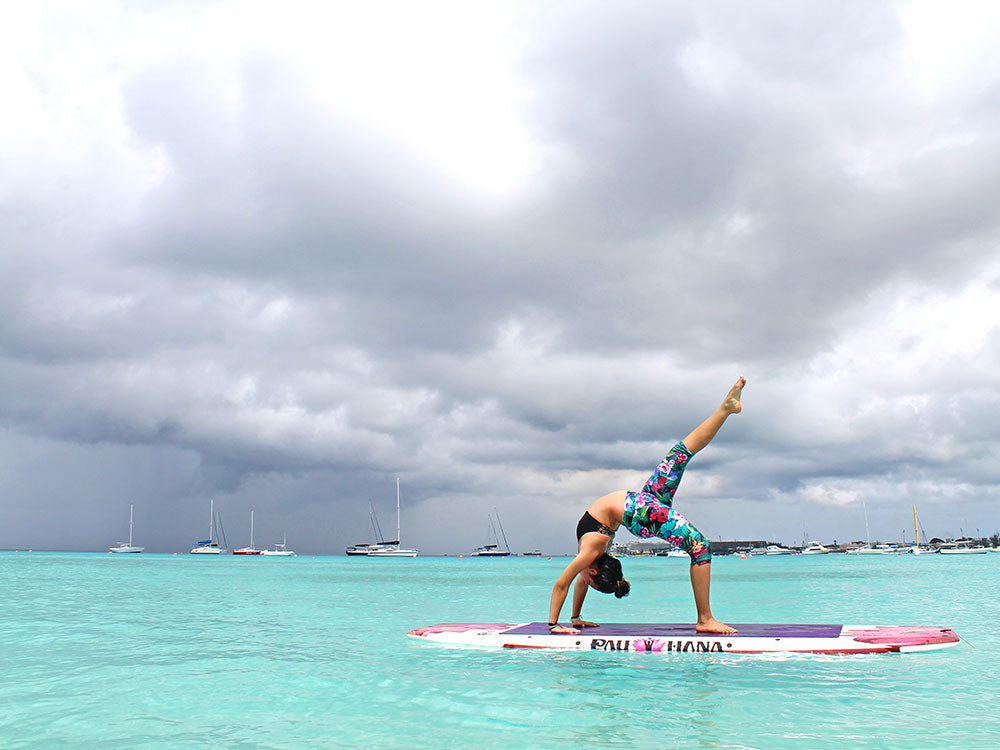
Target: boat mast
[(130, 507), (251, 528), (399, 539), (868, 533), (506, 546), (211, 520), (916, 532)]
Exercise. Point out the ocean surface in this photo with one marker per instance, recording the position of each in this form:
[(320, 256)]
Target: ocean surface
[(159, 651)]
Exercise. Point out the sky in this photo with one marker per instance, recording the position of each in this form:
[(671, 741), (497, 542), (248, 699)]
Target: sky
[(277, 257)]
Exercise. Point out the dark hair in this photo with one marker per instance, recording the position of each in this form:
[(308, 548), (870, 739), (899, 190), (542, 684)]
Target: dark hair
[(608, 578)]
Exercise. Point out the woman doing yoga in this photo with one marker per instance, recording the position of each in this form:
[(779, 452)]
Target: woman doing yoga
[(646, 514)]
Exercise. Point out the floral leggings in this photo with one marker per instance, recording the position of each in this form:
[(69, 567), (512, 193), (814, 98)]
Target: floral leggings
[(650, 513)]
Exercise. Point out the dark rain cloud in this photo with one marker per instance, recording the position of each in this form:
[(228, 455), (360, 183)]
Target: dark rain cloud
[(236, 289)]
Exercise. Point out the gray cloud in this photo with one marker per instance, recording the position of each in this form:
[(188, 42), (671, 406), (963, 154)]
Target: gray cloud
[(222, 278)]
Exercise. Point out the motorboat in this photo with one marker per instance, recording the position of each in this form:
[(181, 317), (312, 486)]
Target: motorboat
[(878, 549), (775, 549), (280, 550), (816, 549), (963, 547)]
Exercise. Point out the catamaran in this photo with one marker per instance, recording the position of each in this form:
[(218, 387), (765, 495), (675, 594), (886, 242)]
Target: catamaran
[(211, 545), (122, 547)]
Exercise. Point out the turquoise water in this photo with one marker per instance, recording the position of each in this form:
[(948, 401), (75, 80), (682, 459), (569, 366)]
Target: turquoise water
[(157, 651)]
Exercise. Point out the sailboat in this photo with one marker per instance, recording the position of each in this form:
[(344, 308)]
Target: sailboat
[(393, 548), (122, 547), (881, 549), (280, 550), (493, 550), (363, 548), (210, 546), (251, 550)]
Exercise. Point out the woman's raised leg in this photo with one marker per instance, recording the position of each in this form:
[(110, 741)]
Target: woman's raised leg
[(702, 435)]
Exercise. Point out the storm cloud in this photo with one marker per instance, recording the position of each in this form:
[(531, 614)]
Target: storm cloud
[(506, 252)]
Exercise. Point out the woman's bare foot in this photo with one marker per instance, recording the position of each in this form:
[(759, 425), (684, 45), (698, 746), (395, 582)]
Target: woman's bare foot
[(563, 630), (732, 402), (713, 626)]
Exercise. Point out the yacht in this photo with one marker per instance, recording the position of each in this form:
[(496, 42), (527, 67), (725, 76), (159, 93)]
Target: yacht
[(251, 550), (394, 547), (493, 550), (280, 550), (775, 549), (878, 549), (361, 549), (962, 547), (816, 549), (867, 549), (121, 546), (211, 545)]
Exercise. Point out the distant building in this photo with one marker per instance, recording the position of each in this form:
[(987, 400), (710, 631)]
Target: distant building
[(657, 546), (741, 545)]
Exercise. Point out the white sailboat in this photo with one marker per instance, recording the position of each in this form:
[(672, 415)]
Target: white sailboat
[(493, 550), (122, 547), (881, 549), (280, 550), (251, 550), (393, 548), (211, 545)]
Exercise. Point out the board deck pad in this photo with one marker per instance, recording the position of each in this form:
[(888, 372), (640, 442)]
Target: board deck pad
[(626, 629), (683, 638)]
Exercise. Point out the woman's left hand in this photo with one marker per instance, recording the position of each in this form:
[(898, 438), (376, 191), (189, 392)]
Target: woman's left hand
[(578, 623)]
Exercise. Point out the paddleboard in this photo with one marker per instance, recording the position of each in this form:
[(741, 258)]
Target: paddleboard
[(684, 639)]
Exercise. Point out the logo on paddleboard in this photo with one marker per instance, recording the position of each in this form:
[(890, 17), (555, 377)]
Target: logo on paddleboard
[(651, 645)]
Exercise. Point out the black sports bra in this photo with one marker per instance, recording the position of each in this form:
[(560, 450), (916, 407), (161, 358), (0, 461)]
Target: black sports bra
[(588, 523)]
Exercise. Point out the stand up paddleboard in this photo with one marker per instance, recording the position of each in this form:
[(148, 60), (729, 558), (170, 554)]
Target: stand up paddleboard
[(672, 638)]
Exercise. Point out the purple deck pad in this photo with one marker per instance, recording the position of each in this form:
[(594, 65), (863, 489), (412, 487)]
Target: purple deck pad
[(675, 630)]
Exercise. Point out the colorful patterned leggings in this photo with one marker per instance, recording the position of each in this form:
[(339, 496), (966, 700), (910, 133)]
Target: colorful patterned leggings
[(650, 513)]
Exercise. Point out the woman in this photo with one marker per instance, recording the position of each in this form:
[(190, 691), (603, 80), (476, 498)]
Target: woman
[(647, 513)]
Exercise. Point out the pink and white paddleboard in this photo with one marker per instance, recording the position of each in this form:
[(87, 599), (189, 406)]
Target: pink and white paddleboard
[(674, 638)]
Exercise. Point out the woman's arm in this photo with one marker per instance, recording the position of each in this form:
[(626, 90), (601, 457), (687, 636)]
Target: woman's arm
[(579, 594), (592, 546)]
